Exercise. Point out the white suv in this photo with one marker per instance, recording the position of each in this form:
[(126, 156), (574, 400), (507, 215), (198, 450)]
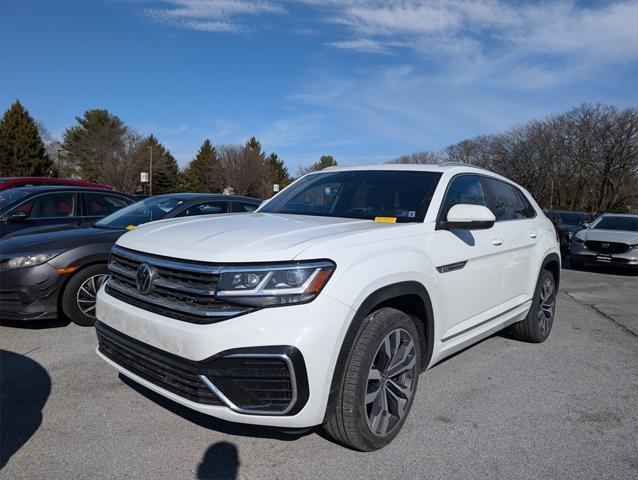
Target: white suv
[(325, 305)]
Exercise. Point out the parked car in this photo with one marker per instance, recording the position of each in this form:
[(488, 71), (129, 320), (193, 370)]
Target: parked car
[(610, 239), (325, 305), (43, 273), (33, 209), (16, 182), (566, 224)]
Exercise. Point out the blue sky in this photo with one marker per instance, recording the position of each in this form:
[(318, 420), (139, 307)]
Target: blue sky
[(365, 81)]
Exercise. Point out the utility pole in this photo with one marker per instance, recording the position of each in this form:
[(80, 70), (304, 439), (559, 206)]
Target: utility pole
[(150, 171)]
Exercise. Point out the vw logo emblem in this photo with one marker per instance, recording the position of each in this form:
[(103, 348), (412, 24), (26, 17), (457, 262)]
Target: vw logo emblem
[(144, 278), (605, 245)]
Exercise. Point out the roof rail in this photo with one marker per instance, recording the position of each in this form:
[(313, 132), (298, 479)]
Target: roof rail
[(460, 164)]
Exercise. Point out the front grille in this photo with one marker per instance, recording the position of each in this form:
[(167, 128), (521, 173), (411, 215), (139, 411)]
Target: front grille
[(606, 247), (167, 371), (182, 289), (257, 380)]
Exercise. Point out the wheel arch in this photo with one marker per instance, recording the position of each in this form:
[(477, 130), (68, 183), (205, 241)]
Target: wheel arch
[(410, 297), (552, 263), (82, 266)]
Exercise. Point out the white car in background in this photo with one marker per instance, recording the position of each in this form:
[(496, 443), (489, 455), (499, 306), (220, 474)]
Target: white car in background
[(611, 239), (324, 306)]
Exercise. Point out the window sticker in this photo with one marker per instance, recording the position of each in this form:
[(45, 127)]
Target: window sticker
[(405, 213)]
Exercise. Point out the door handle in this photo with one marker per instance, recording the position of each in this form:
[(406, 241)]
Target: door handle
[(497, 241), (533, 234)]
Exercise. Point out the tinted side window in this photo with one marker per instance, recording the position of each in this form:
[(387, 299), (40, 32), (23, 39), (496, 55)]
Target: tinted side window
[(506, 201), (51, 205), (244, 207), (98, 204), (463, 189), (208, 208), (529, 211)]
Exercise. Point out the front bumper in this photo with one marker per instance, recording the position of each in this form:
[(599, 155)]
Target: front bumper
[(304, 339), (582, 254), (30, 293)]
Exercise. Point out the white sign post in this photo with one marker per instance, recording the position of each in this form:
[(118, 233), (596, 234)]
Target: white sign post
[(144, 177), (275, 187)]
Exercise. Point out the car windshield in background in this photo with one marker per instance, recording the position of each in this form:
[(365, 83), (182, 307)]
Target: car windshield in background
[(572, 218), (628, 224), (362, 194), (7, 197), (145, 211)]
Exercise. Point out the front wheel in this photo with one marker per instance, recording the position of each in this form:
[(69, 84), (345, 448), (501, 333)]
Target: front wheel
[(536, 326), (78, 298), (379, 383)]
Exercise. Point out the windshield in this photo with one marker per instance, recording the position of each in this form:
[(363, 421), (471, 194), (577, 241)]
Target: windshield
[(365, 194), (7, 197), (572, 218), (147, 210), (628, 224)]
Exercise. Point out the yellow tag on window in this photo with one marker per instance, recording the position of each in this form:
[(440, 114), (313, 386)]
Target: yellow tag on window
[(131, 227), (385, 219)]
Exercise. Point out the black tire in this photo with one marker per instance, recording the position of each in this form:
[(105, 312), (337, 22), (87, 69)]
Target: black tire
[(355, 415), (539, 321), (70, 302)]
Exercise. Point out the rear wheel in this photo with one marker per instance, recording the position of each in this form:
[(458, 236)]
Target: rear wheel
[(540, 319), (379, 384), (78, 298)]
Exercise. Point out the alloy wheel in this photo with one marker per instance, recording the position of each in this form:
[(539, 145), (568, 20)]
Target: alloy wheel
[(87, 294), (390, 382), (545, 314)]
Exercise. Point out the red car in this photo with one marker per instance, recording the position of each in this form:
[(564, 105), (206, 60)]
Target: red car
[(15, 182)]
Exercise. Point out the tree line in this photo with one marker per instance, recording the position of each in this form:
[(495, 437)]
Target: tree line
[(101, 148), (585, 159)]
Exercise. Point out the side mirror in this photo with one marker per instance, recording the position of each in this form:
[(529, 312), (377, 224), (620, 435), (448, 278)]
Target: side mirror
[(17, 217), (469, 217), (586, 225)]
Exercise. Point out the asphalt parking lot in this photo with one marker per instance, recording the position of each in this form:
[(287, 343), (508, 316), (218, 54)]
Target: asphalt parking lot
[(567, 408)]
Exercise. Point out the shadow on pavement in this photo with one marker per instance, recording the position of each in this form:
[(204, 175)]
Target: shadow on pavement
[(220, 462), (35, 324), (24, 389), (212, 423)]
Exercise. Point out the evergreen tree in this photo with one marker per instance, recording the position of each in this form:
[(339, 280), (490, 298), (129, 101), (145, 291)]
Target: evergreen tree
[(204, 173), (278, 170), (324, 162), (166, 174), (95, 144), (22, 152)]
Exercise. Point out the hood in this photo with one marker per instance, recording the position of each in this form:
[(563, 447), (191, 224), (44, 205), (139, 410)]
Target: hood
[(242, 237), (620, 236), (57, 240)]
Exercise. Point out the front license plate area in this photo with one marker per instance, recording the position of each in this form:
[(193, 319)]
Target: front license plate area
[(603, 258)]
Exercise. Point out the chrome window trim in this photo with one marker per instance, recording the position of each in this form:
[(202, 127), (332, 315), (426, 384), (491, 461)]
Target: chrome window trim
[(256, 411)]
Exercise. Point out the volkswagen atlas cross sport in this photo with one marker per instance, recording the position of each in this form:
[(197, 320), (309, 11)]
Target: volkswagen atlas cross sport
[(323, 306)]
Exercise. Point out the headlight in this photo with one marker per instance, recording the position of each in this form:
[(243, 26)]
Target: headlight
[(272, 285), (21, 261), (578, 239)]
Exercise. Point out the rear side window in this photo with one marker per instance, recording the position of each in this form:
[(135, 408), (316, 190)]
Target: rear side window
[(51, 205), (244, 207), (507, 202), (100, 205), (208, 208), (465, 189)]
